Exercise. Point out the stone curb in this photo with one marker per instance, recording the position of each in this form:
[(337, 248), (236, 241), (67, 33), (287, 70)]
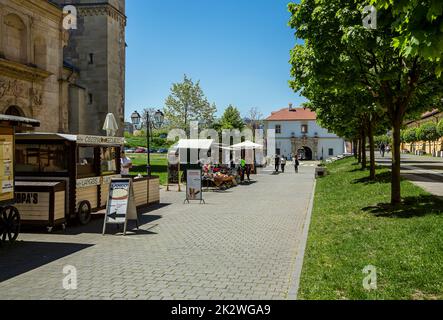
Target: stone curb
[(296, 275)]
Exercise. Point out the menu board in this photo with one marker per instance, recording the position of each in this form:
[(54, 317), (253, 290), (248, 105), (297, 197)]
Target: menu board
[(121, 204), (194, 189), (6, 164)]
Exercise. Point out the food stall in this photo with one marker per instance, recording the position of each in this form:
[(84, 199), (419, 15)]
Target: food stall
[(70, 177), (10, 219)]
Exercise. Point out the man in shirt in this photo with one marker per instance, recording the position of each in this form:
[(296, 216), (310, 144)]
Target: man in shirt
[(126, 164)]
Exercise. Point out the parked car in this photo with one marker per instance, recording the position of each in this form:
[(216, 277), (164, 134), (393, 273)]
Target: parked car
[(130, 150), (140, 150), (153, 151), (162, 150)]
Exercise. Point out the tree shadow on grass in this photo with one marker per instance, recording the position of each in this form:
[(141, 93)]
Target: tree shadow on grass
[(410, 207), (384, 177)]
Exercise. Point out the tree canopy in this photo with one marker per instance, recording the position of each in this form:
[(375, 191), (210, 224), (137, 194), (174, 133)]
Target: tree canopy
[(231, 119), (340, 59), (187, 103)]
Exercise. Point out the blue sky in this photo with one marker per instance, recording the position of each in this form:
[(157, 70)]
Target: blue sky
[(238, 49)]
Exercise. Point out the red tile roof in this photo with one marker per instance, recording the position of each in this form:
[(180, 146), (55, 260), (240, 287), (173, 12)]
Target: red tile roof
[(293, 114)]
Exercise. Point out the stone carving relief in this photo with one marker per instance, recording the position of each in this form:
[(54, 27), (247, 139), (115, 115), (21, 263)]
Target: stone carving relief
[(13, 88), (36, 96)]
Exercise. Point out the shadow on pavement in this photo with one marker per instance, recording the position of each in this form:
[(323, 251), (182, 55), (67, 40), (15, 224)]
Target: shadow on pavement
[(411, 207), (22, 257), (96, 224), (423, 177)]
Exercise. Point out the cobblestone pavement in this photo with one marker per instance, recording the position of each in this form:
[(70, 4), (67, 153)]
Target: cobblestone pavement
[(425, 172), (241, 245)]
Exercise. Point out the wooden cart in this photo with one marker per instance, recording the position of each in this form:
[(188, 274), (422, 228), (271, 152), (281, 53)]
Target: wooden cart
[(10, 220), (85, 165)]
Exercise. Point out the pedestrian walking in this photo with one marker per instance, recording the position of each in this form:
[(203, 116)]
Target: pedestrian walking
[(296, 163), (388, 149), (277, 163), (382, 149), (283, 163)]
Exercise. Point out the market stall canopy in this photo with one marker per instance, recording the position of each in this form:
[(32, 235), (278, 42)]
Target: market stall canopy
[(247, 145), (110, 126), (204, 144), (79, 139), (16, 121)]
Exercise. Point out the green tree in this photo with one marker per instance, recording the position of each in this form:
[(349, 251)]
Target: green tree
[(428, 132), (440, 128), (340, 55), (410, 135), (231, 119), (419, 27), (187, 103)]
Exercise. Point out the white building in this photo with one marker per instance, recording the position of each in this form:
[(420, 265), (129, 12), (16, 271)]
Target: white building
[(297, 132)]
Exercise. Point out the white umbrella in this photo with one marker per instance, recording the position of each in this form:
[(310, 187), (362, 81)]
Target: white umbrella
[(110, 125), (247, 145)]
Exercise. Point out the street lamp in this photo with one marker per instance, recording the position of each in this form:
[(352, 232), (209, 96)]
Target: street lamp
[(159, 118), (135, 118)]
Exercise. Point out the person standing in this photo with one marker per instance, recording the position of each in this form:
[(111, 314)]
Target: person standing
[(243, 170), (283, 163), (248, 169), (277, 163), (296, 163), (125, 163)]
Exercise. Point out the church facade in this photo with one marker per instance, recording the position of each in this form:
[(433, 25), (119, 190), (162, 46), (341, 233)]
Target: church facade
[(298, 132), (67, 79)]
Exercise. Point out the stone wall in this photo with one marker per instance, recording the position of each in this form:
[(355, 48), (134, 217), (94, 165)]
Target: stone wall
[(97, 49), (31, 62)]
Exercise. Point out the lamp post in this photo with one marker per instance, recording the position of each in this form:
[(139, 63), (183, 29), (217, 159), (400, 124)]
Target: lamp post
[(157, 123)]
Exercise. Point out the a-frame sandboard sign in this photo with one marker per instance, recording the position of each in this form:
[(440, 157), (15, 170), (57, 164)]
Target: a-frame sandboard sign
[(121, 206)]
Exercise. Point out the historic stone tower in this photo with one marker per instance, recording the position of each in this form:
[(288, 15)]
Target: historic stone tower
[(96, 49)]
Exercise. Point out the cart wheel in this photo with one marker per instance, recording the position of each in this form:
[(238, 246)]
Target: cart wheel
[(10, 224), (84, 213)]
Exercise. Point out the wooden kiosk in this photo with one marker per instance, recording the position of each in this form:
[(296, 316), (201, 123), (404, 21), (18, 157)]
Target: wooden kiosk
[(10, 219), (70, 176)]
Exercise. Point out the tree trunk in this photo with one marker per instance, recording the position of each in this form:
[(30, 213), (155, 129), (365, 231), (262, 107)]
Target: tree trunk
[(372, 151), (359, 150), (355, 146), (363, 150), (396, 158)]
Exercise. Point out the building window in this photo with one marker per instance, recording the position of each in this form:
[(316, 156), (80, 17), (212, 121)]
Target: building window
[(91, 98), (278, 151), (91, 58), (278, 129), (304, 129), (331, 152)]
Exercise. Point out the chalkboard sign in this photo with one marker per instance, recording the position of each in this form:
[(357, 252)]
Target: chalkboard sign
[(194, 190), (121, 204)]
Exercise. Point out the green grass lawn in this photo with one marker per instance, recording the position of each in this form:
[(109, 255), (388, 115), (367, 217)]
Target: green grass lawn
[(353, 227), (159, 165)]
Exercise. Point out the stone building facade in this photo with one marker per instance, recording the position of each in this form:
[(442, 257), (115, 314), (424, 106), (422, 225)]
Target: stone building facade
[(434, 148), (97, 48), (69, 80), (31, 62), (297, 132)]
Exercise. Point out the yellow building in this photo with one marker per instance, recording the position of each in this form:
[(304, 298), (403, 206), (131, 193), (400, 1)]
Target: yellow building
[(425, 147)]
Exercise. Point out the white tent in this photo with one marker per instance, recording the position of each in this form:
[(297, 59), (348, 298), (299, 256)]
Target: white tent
[(247, 145), (204, 144)]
